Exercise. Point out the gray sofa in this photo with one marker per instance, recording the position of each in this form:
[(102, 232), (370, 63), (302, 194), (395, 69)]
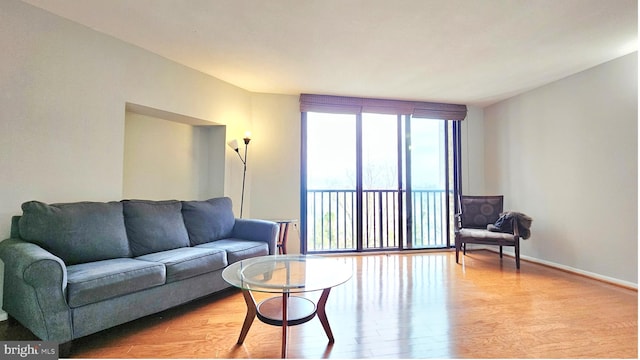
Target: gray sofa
[(75, 269)]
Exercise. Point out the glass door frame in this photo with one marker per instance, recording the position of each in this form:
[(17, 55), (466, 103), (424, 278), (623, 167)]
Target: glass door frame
[(404, 177)]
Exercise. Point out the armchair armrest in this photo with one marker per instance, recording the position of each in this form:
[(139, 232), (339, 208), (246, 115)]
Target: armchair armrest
[(457, 222), (257, 230), (34, 289)]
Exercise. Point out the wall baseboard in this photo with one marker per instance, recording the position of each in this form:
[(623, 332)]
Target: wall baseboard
[(623, 283)]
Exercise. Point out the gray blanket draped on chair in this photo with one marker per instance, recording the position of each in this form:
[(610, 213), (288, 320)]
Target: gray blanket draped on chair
[(506, 220)]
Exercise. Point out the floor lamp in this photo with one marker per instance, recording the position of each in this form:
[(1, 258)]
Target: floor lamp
[(234, 145)]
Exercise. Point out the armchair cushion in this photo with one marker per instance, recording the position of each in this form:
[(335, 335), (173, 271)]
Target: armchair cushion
[(480, 234), (479, 211)]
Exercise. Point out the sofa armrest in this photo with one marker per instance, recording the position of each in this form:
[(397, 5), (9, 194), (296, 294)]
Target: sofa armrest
[(24, 259), (257, 230), (35, 283)]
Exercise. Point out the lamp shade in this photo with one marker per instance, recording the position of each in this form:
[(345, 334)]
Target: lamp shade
[(233, 144)]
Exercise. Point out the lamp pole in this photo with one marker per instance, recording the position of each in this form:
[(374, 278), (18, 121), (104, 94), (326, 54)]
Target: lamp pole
[(244, 172), (234, 145)]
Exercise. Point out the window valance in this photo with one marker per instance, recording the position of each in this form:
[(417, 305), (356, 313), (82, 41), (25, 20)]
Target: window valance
[(356, 105)]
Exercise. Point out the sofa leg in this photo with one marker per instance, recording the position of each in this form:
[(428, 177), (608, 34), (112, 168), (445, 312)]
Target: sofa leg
[(11, 321), (64, 349)]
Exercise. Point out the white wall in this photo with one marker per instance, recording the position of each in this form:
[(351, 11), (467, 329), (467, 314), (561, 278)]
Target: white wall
[(566, 154), (472, 134), (275, 161), (62, 108), (65, 89), (165, 159)]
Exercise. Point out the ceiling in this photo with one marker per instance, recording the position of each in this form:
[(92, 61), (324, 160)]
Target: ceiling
[(473, 52)]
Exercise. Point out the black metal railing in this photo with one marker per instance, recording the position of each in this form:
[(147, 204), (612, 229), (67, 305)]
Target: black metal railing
[(332, 214)]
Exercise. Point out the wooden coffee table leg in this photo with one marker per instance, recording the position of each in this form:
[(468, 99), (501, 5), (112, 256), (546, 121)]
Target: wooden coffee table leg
[(251, 314), (322, 315), (285, 306)]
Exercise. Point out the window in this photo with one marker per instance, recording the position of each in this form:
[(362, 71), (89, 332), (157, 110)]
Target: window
[(377, 174)]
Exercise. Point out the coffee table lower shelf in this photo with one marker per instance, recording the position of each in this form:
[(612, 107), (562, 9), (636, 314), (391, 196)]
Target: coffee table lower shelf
[(299, 311), (285, 311)]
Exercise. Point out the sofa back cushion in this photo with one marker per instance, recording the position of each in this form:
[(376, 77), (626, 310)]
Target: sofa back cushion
[(208, 220), (76, 232), (154, 226)]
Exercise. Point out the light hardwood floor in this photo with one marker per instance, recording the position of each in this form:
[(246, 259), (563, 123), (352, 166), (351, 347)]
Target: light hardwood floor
[(403, 306)]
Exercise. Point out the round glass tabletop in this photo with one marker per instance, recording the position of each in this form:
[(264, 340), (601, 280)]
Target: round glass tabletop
[(287, 273)]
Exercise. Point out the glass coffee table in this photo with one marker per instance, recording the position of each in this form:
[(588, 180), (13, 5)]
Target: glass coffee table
[(286, 275)]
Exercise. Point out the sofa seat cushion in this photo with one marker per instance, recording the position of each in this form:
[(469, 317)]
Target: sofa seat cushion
[(238, 249), (208, 220), (76, 232), (100, 280), (154, 226), (188, 262)]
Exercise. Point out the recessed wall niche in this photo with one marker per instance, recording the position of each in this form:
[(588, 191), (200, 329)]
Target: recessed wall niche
[(171, 156)]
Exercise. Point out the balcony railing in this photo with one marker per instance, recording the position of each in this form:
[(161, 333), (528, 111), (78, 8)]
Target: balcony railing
[(331, 220)]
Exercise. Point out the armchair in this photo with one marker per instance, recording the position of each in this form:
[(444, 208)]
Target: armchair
[(476, 213)]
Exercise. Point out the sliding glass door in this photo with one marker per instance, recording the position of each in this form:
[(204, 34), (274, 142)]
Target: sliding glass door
[(381, 222), (430, 182), (331, 171), (376, 182)]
